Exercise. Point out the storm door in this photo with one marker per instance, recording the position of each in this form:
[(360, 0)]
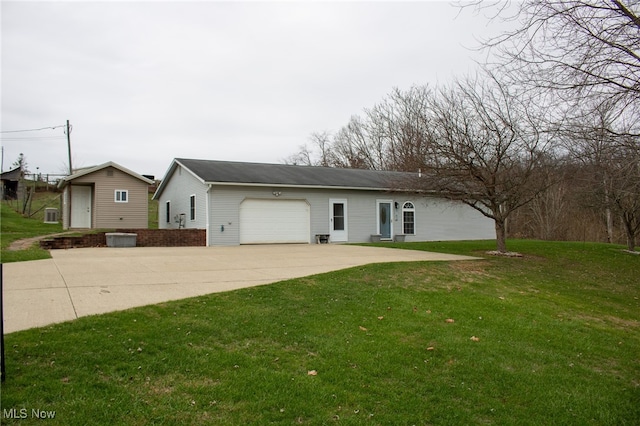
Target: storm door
[(338, 230)]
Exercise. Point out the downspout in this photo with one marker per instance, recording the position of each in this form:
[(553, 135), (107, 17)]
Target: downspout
[(208, 222)]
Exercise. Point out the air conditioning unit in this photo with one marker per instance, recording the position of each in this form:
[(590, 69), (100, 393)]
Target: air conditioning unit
[(50, 215)]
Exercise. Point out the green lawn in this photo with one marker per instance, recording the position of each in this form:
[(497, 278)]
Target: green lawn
[(15, 227), (549, 339)]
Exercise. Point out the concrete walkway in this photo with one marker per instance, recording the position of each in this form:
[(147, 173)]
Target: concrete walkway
[(80, 282)]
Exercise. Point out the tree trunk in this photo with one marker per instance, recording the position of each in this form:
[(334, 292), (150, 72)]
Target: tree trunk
[(631, 235), (501, 235), (608, 215)]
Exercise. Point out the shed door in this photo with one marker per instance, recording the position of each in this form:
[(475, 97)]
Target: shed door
[(80, 206), (274, 221)]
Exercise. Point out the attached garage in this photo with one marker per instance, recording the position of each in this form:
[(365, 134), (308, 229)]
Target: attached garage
[(266, 221), (256, 203)]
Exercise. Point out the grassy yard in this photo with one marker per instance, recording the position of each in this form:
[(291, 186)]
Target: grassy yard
[(551, 338), (15, 227)]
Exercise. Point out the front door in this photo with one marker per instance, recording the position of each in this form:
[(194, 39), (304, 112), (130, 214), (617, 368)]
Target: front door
[(338, 230), (80, 206), (384, 219)]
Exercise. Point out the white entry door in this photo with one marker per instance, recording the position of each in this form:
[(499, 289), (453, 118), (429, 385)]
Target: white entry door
[(338, 229), (80, 206)]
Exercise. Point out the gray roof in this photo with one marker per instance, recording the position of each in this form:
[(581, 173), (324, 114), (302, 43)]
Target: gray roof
[(12, 175), (210, 171), (88, 170)]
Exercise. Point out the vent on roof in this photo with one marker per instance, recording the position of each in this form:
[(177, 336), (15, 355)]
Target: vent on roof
[(110, 172), (50, 215)]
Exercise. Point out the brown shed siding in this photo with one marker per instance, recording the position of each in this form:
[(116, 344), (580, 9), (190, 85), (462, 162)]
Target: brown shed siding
[(106, 212), (110, 214)]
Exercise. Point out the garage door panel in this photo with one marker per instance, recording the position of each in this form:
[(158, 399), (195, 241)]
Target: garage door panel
[(274, 221)]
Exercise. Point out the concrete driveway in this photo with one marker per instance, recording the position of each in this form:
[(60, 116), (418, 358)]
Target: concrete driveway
[(80, 282)]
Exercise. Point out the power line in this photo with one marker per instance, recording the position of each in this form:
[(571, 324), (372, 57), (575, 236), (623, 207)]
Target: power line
[(30, 138), (33, 130)]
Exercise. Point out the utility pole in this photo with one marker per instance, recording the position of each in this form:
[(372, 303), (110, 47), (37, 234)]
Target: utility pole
[(69, 146), (67, 211)]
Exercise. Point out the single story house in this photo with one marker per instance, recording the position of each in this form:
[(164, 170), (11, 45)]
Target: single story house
[(255, 203), (105, 196)]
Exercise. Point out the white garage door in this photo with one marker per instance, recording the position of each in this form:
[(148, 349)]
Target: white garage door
[(274, 221)]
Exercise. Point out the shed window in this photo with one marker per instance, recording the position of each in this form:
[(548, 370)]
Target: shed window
[(122, 196), (408, 218), (192, 207)]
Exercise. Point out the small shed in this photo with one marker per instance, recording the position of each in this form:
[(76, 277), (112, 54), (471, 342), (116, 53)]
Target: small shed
[(105, 196), (12, 184)]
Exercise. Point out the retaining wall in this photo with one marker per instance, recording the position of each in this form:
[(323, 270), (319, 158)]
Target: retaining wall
[(145, 238)]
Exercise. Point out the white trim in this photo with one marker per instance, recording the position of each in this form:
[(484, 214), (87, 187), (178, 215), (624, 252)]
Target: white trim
[(390, 202), (117, 195), (343, 235), (286, 185), (207, 225), (172, 168), (412, 209), (90, 170), (195, 214)]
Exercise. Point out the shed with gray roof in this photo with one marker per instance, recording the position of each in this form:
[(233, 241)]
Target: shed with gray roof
[(105, 196), (254, 203)]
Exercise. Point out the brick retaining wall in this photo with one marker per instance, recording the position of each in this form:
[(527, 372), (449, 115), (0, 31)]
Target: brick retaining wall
[(145, 238)]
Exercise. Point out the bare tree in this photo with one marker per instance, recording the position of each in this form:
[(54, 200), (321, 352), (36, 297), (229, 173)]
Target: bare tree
[(486, 150), (304, 157), (603, 140), (585, 57), (576, 48), (399, 120), (360, 145), (625, 171), (548, 210), (318, 154)]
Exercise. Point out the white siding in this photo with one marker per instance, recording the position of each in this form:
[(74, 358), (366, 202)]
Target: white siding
[(436, 219), (179, 189)]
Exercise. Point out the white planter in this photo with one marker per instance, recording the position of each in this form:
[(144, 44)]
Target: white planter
[(121, 239)]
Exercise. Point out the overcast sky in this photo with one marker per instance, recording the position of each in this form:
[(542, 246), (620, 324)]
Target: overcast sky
[(145, 82)]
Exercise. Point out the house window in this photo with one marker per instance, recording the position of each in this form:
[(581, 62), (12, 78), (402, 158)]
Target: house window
[(192, 207), (168, 211), (122, 196), (408, 218)]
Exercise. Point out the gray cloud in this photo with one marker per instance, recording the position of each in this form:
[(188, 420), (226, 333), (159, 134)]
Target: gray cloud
[(145, 82)]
